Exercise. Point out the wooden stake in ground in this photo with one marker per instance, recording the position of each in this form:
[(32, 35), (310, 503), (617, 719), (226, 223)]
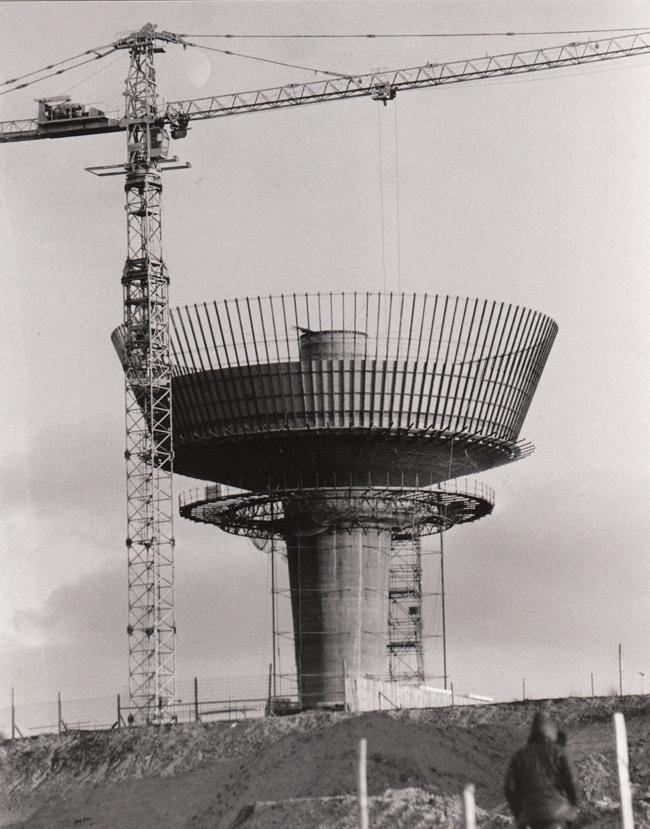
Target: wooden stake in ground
[(622, 763), (363, 785), (469, 810)]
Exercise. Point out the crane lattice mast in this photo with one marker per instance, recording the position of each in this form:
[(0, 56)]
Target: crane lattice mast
[(149, 446), (149, 454)]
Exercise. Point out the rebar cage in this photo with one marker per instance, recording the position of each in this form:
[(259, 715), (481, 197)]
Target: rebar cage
[(261, 385)]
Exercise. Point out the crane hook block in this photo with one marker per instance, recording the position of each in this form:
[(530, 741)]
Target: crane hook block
[(383, 92)]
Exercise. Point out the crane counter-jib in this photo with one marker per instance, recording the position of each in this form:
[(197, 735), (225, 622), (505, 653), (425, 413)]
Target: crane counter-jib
[(31, 129)]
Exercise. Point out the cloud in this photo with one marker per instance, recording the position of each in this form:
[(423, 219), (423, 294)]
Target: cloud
[(548, 586), (61, 511), (76, 641)]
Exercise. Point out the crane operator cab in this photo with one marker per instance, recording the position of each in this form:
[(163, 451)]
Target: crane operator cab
[(159, 143), (60, 116)]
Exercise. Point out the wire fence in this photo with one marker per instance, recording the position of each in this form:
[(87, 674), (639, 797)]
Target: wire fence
[(206, 699), (52, 716), (197, 700), (230, 699)]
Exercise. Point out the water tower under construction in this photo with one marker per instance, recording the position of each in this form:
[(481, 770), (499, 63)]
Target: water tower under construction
[(334, 421)]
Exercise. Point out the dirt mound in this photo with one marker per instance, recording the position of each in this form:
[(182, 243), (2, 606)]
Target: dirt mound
[(201, 776), (410, 808)]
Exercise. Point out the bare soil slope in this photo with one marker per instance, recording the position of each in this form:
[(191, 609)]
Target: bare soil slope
[(277, 772)]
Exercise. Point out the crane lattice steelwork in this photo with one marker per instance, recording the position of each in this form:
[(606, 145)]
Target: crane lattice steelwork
[(149, 449), (149, 455)]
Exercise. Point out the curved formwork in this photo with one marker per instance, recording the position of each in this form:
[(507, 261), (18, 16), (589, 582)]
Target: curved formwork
[(352, 389)]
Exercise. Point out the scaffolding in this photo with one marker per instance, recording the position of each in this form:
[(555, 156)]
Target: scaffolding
[(405, 639)]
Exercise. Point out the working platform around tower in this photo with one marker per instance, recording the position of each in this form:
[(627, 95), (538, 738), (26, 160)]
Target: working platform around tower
[(404, 511)]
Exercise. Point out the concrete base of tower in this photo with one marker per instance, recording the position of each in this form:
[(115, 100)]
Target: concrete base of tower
[(340, 548), (338, 573)]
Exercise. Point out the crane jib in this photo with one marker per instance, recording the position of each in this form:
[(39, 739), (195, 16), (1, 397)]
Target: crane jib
[(380, 86)]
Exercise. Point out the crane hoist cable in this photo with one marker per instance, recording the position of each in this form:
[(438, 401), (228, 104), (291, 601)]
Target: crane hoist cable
[(96, 56), (92, 75), (58, 63), (397, 212), (381, 196), (425, 34), (269, 60)]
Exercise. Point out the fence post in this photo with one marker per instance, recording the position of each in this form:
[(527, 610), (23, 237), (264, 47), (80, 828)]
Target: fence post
[(469, 810), (620, 670), (451, 686), (14, 727), (622, 764), (269, 697), (58, 705), (121, 722), (196, 700), (363, 784)]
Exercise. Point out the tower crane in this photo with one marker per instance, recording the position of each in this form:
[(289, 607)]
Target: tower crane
[(145, 282)]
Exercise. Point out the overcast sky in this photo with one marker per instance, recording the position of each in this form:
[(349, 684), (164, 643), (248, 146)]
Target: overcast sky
[(532, 190)]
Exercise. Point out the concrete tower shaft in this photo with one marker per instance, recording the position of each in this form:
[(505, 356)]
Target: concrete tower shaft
[(339, 546), (338, 553), (339, 590)]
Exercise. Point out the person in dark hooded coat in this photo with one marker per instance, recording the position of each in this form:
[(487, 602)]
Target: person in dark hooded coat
[(540, 785)]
